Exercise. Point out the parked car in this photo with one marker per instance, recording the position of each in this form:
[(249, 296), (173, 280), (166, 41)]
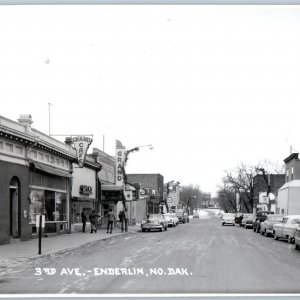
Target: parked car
[(260, 217), (297, 238), (172, 219), (195, 216), (287, 228), (181, 216), (247, 220), (154, 221), (266, 227), (228, 218), (186, 216)]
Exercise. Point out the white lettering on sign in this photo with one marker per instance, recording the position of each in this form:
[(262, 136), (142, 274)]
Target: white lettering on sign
[(81, 144), (120, 157)]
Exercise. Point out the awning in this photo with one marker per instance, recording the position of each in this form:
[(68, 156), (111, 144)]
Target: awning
[(51, 170), (111, 187)]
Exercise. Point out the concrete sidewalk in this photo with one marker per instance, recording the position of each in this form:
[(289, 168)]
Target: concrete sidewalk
[(29, 249)]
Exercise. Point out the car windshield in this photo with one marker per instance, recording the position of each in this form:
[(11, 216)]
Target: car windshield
[(153, 217), (249, 217)]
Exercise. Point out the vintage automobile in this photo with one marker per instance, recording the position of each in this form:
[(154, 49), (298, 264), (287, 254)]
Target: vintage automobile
[(260, 217), (287, 228), (266, 227), (186, 217), (297, 238), (154, 221), (182, 216), (247, 220), (228, 218), (172, 219)]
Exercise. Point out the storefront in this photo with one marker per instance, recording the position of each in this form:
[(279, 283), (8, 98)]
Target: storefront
[(35, 179), (48, 196), (85, 191)]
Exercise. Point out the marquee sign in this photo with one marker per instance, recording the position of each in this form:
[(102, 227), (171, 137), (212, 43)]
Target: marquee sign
[(81, 144), (85, 189), (120, 156)]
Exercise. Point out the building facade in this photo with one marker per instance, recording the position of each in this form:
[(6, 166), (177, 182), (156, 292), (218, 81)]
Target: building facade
[(153, 186), (35, 179), (260, 189), (289, 194)]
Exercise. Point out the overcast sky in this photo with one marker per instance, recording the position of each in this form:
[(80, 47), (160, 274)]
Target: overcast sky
[(208, 86)]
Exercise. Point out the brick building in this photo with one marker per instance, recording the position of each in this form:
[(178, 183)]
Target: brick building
[(276, 181), (153, 186)]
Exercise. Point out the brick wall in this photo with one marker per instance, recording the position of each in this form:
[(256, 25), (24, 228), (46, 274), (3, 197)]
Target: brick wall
[(7, 172)]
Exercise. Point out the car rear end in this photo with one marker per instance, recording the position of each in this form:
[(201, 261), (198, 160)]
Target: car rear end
[(228, 219)]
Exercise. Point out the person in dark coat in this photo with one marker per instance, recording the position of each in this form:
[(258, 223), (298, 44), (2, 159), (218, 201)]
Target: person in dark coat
[(110, 223), (83, 219), (122, 219), (93, 220)]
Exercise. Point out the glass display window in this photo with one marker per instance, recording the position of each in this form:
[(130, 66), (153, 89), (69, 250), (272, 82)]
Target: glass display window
[(36, 204)]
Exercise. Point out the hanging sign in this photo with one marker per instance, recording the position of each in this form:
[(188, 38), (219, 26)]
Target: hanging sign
[(37, 221), (81, 144), (120, 157)]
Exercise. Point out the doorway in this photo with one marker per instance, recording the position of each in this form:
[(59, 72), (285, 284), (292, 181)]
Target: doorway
[(15, 208)]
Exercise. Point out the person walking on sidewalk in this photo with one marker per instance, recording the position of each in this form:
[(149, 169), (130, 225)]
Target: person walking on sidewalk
[(122, 219), (83, 219), (93, 219), (110, 223)]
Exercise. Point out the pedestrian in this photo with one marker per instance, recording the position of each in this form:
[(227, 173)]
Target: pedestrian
[(111, 218), (126, 220), (93, 219), (122, 219), (83, 219)]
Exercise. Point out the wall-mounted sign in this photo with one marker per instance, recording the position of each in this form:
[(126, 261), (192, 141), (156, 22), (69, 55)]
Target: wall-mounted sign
[(85, 189), (81, 144), (120, 156)]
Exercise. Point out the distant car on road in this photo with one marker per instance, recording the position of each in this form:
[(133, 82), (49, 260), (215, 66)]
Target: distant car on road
[(247, 220), (287, 228), (260, 217), (228, 218), (266, 227), (172, 219), (195, 216), (154, 221)]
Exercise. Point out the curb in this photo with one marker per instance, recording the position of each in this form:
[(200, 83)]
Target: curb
[(36, 257)]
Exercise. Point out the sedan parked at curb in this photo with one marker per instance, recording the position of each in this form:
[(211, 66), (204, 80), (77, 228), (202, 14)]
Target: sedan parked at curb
[(154, 221), (228, 218), (287, 228), (247, 220), (171, 219), (266, 227)]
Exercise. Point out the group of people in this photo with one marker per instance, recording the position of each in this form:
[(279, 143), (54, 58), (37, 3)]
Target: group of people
[(93, 217)]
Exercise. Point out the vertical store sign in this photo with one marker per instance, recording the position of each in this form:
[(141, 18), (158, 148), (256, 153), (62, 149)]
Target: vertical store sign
[(120, 157), (81, 144)]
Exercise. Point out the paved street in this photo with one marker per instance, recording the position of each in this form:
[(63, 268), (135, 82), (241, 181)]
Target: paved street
[(198, 257)]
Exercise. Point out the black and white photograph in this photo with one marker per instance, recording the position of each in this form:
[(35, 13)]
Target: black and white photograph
[(149, 150)]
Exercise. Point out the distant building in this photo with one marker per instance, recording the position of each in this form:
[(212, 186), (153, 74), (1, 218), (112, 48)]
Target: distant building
[(152, 186), (289, 194), (260, 188)]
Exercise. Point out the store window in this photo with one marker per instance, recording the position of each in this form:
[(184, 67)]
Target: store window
[(36, 204), (1, 145), (49, 206), (60, 207)]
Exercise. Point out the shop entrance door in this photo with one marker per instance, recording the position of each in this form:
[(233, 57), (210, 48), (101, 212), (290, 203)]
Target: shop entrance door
[(15, 209)]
